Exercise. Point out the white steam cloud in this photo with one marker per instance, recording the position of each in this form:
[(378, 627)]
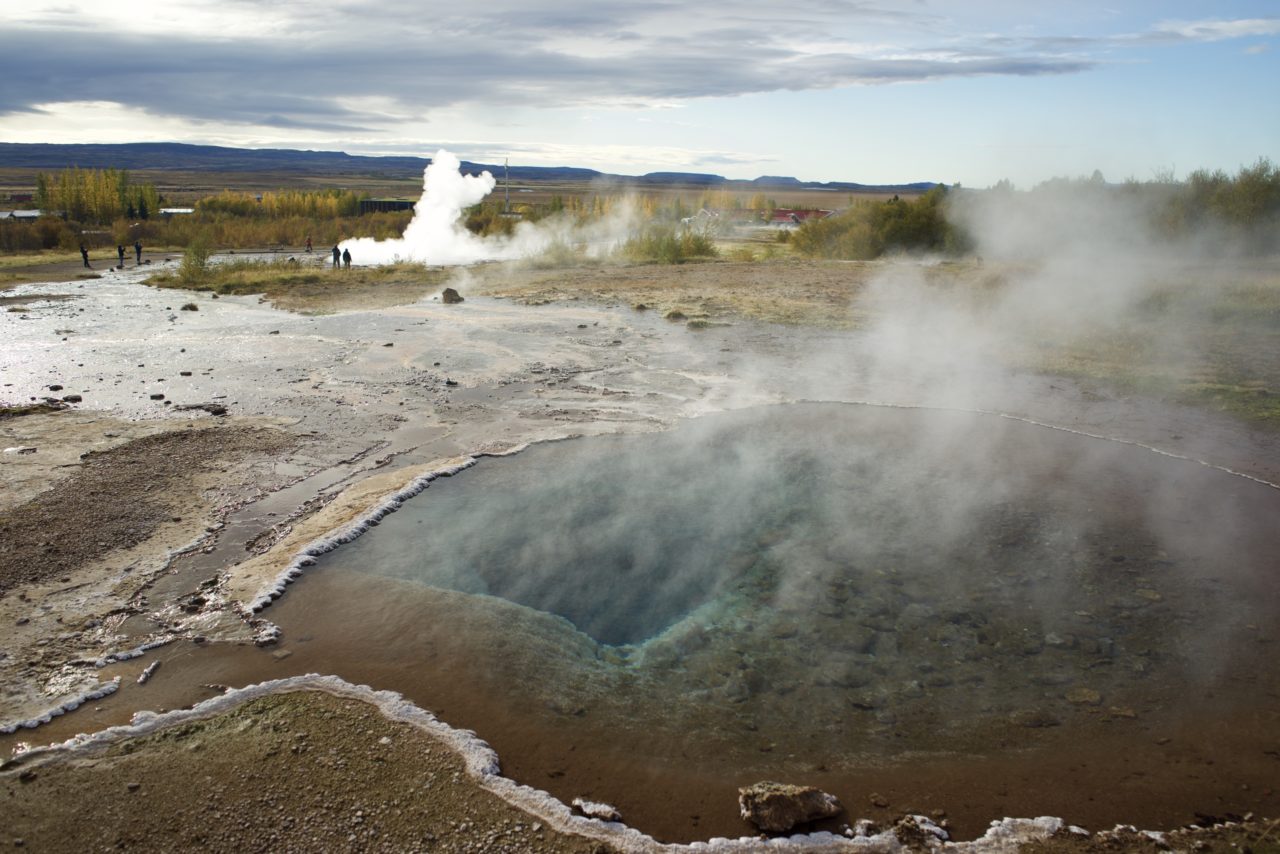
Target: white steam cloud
[(437, 235)]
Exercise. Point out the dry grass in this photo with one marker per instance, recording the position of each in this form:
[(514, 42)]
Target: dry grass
[(314, 288), (798, 293)]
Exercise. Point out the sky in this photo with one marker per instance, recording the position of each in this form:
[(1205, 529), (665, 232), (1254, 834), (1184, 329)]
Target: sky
[(823, 90)]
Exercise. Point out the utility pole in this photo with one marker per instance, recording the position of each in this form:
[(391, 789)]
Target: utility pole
[(506, 180)]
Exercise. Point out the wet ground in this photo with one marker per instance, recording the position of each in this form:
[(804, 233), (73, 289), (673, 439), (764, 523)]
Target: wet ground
[(1105, 671)]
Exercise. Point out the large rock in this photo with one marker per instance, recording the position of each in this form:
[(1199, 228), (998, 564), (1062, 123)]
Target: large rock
[(778, 807), (449, 296)]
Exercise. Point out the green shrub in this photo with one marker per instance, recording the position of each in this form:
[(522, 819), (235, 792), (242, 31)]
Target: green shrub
[(666, 244), (869, 229), (195, 262)]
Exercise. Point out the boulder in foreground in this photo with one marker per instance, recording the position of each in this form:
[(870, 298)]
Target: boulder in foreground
[(449, 296), (778, 807)]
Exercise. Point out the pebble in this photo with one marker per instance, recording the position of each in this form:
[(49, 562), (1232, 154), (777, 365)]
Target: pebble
[(1084, 697)]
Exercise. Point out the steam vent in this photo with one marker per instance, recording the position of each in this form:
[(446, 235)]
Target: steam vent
[(830, 587)]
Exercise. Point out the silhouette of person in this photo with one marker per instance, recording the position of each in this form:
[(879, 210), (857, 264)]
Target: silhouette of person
[(137, 250), (346, 257), (337, 256), (120, 252), (84, 253), (308, 242)]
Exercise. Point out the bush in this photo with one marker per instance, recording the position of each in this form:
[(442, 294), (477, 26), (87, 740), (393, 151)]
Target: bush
[(195, 262), (669, 245), (869, 229)]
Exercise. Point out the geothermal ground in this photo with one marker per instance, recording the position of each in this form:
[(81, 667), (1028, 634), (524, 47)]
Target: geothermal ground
[(210, 441)]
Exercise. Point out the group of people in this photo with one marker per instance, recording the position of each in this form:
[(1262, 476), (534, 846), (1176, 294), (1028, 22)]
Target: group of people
[(137, 251), (341, 257)]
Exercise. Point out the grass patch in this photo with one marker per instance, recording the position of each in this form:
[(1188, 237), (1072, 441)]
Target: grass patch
[(310, 288), (668, 245), (20, 410)]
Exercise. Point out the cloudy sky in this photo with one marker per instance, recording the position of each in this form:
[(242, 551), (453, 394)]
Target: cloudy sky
[(875, 91)]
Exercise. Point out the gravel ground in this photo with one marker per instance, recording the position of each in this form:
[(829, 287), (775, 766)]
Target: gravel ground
[(295, 772), (77, 520)]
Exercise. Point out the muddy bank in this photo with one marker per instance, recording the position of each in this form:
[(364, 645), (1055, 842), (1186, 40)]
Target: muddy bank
[(317, 764), (304, 771)]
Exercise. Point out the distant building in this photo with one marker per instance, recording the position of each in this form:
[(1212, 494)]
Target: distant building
[(795, 217), (21, 216), (176, 211), (385, 205)]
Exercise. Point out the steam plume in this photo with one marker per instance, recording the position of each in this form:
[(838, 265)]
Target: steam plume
[(436, 236)]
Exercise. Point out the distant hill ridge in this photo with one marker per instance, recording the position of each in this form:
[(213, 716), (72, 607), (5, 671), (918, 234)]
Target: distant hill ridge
[(214, 158)]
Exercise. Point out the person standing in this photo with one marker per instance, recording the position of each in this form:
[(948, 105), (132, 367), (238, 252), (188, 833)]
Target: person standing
[(137, 250), (308, 242), (337, 256), (120, 252), (346, 258), (84, 253)]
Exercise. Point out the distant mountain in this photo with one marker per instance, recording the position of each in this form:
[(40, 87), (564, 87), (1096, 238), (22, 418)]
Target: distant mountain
[(214, 158)]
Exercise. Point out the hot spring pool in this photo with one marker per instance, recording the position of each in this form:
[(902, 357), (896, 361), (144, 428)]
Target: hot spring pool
[(820, 585)]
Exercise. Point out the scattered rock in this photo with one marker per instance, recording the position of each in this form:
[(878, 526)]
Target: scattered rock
[(55, 387), (157, 396), (596, 810), (878, 800), (190, 306), (211, 408), (71, 398), (450, 296), (1034, 718), (778, 807), (1084, 697), (149, 672)]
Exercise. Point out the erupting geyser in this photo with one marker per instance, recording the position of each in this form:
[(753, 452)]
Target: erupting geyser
[(436, 234)]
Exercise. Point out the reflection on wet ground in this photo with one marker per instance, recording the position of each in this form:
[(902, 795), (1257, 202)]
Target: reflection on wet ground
[(817, 587)]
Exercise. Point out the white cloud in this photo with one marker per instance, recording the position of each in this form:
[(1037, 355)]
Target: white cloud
[(1218, 30)]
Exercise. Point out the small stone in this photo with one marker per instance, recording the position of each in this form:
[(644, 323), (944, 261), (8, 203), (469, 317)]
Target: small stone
[(157, 396), (1083, 697), (878, 800), (450, 297), (1034, 719), (133, 787), (1149, 595), (596, 810)]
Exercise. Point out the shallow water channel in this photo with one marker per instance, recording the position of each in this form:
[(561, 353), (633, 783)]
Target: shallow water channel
[(845, 595)]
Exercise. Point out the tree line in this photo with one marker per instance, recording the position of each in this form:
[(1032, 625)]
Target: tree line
[(96, 196)]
